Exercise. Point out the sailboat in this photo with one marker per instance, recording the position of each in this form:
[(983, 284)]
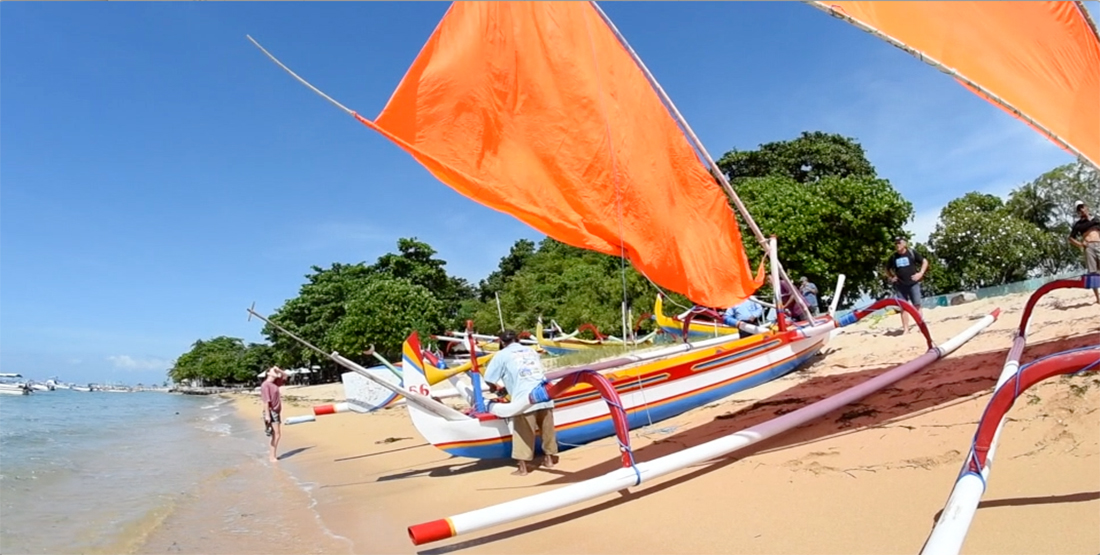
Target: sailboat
[(518, 113), (543, 111)]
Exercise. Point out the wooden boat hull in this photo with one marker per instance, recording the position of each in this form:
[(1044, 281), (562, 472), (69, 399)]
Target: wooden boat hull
[(651, 391)]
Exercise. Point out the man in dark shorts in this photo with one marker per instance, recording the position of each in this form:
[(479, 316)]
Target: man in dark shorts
[(273, 407), (906, 268), (1085, 235)]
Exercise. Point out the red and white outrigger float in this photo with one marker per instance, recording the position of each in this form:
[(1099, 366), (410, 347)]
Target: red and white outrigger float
[(950, 529)]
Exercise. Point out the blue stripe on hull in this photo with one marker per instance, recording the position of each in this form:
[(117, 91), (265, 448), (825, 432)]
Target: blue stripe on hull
[(637, 418)]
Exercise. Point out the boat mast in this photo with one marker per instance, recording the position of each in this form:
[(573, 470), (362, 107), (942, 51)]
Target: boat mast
[(698, 144)]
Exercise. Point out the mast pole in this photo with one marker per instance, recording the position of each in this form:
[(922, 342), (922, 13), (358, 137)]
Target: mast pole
[(702, 150)]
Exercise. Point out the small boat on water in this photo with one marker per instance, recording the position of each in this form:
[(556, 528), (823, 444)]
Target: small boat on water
[(14, 389)]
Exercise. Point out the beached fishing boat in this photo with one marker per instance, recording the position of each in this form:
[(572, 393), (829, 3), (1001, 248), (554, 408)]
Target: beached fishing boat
[(568, 344), (675, 200), (653, 386), (659, 237), (543, 111)]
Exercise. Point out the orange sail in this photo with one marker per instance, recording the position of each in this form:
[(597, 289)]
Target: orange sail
[(1039, 61), (537, 110)]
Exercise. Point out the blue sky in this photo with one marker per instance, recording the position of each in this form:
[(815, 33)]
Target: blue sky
[(158, 174)]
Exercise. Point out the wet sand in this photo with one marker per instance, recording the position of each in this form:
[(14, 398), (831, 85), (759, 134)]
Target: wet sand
[(868, 478)]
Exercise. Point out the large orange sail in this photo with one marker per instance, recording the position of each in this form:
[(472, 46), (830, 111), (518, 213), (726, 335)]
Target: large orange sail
[(537, 110), (1039, 61)]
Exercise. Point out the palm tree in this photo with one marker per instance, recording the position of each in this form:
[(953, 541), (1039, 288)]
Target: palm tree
[(1030, 204)]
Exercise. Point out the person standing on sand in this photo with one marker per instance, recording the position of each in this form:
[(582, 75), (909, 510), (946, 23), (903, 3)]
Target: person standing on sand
[(809, 292), (520, 368), (902, 270), (273, 407), (1088, 229)]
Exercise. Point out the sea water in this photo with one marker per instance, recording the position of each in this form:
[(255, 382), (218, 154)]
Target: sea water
[(104, 472)]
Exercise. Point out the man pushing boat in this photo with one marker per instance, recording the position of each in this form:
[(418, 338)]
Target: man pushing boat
[(520, 369)]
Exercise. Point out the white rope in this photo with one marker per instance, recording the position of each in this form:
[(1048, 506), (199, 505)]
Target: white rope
[(300, 80)]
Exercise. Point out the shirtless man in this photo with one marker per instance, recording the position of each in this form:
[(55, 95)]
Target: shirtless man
[(1088, 229)]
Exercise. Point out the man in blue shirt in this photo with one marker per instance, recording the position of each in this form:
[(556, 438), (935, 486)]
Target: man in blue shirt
[(520, 369), (809, 292), (748, 311)]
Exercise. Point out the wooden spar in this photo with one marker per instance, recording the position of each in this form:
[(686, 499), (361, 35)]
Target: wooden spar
[(698, 144), (423, 401)]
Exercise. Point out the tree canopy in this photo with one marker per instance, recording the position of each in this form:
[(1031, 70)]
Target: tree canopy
[(222, 361), (818, 193), (824, 201)]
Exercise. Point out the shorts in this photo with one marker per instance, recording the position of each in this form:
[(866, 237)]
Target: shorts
[(268, 430), (909, 293), (523, 434), (1092, 257)]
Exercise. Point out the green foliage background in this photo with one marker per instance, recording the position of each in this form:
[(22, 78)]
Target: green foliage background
[(818, 193)]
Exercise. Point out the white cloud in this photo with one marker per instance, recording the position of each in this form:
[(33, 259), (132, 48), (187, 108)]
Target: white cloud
[(127, 362)]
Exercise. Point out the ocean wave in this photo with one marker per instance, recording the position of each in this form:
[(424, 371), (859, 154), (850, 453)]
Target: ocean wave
[(220, 428)]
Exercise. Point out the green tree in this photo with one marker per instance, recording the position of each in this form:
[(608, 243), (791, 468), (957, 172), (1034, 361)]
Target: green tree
[(1048, 203), (517, 257), (808, 158), (319, 306), (571, 286), (822, 198), (981, 244), (416, 262), (383, 314), (216, 362)]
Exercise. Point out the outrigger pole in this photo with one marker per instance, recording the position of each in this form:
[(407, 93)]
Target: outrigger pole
[(625, 478), (949, 532), (711, 165), (422, 401)]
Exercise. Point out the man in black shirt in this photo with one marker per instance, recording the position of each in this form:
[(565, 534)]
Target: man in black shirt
[(902, 269), (1088, 229)]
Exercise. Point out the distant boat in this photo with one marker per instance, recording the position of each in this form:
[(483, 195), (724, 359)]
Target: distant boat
[(14, 389)]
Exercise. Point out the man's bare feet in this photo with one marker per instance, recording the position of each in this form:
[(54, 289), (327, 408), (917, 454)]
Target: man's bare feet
[(522, 470), (549, 461)]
